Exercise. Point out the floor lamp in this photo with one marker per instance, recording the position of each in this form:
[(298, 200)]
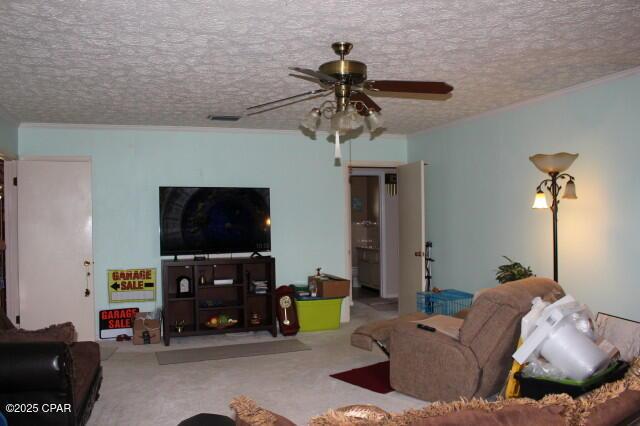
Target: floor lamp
[(554, 165)]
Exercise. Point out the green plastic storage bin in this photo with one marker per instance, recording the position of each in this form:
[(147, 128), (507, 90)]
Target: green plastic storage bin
[(316, 313)]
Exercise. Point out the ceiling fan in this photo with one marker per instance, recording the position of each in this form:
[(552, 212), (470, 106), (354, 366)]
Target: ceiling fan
[(347, 80)]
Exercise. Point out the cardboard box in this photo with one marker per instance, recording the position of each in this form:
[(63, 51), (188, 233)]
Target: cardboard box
[(141, 324), (331, 286)]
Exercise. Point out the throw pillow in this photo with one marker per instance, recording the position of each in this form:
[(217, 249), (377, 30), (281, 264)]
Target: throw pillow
[(612, 403), (249, 413), (64, 332)]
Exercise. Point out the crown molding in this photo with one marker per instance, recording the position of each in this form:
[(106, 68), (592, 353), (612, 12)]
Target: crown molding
[(531, 101), (60, 158), (143, 128), (151, 128)]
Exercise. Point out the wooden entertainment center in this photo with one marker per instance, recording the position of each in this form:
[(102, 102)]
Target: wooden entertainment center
[(237, 298)]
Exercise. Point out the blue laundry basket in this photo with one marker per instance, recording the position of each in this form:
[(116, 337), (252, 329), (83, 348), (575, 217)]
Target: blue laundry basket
[(445, 302)]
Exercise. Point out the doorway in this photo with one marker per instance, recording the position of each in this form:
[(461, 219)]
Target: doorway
[(55, 245), (374, 237), (402, 233)]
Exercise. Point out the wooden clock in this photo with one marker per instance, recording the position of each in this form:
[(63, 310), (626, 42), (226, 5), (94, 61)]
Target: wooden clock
[(286, 311), (184, 286)]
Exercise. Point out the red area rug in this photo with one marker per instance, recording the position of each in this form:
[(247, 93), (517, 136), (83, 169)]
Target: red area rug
[(373, 377)]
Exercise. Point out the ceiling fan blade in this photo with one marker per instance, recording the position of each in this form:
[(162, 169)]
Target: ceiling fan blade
[(307, 78), (271, 108), (407, 95), (437, 87), (316, 74), (310, 92), (362, 97)]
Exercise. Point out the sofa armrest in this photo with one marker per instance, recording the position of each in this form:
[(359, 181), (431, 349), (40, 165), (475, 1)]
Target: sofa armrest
[(430, 365), (34, 366)]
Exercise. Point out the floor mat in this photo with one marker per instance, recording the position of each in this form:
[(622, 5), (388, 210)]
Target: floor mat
[(230, 351), (372, 377)]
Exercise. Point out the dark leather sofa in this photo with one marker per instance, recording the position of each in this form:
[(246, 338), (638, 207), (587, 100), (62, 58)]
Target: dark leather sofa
[(57, 381)]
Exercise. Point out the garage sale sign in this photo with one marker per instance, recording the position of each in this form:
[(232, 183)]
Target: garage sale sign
[(132, 285), (114, 322)]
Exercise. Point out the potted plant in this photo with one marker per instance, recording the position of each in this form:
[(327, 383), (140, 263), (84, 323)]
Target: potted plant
[(512, 271)]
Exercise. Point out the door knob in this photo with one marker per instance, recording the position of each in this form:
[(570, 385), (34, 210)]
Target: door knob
[(419, 254), (87, 263)]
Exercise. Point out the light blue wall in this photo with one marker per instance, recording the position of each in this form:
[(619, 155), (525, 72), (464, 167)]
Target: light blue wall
[(307, 191), (480, 187), (8, 138)]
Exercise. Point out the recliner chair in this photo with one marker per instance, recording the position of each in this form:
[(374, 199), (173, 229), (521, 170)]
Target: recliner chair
[(433, 366)]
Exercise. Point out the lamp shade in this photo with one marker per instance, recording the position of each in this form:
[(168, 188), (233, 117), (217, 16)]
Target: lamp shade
[(540, 201), (354, 118), (553, 163), (374, 121), (311, 120), (570, 191), (341, 123)]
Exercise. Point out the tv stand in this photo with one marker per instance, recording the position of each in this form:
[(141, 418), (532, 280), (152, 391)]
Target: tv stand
[(220, 286)]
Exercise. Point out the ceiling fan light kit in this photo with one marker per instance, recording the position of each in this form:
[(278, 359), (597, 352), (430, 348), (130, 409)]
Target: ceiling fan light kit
[(374, 121), (312, 120), (352, 107)]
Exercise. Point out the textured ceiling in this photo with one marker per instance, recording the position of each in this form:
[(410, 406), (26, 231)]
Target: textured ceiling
[(174, 62)]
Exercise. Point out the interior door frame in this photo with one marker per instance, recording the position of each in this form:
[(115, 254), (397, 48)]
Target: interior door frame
[(11, 238), (379, 173), (346, 167)]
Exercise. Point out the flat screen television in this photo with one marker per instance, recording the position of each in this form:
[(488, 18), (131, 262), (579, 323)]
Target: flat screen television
[(203, 220)]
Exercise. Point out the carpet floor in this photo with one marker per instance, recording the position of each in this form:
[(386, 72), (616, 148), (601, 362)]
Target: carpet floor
[(106, 350), (182, 356), (138, 391)]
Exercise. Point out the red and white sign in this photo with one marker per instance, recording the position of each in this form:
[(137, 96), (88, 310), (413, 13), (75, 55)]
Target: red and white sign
[(114, 322)]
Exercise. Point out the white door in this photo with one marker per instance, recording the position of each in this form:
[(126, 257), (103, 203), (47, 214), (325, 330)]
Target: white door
[(412, 234), (54, 242)]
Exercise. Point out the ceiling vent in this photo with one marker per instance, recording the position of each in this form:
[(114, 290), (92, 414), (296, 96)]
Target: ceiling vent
[(213, 117)]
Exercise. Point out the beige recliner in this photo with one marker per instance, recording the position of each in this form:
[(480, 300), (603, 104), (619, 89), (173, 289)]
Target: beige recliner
[(433, 366)]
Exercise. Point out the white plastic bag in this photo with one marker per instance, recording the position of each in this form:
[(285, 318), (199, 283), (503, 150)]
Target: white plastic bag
[(539, 367), (556, 338), (529, 320)]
